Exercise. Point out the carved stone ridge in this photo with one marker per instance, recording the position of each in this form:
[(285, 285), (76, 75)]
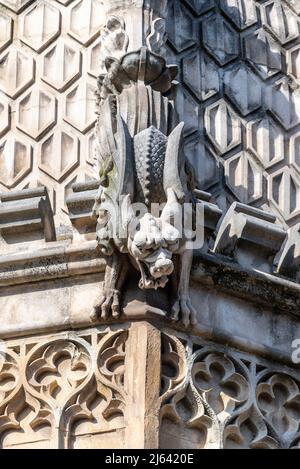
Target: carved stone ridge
[(26, 211), (80, 204)]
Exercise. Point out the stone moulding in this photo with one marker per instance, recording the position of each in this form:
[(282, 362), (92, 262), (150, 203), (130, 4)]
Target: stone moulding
[(56, 261), (25, 211)]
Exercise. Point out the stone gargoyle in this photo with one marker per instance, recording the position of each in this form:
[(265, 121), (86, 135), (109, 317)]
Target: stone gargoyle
[(145, 182)]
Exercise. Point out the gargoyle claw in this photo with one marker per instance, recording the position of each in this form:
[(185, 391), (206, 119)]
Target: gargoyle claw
[(184, 311), (109, 304)]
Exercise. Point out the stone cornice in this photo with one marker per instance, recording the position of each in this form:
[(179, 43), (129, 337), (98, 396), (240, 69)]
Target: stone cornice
[(58, 260), (62, 260)]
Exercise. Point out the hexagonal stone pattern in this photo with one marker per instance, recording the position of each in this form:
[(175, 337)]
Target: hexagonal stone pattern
[(86, 18), (293, 59), (266, 141), (205, 163), (16, 72), (66, 145), (244, 177), (80, 107), (220, 39), (15, 5), (200, 6), (284, 192), (36, 113), (186, 106), (263, 53), (61, 65), (243, 89), (241, 12), (285, 104), (40, 25), (15, 160), (281, 20), (200, 74), (222, 126), (250, 123), (44, 48), (295, 151), (239, 117), (6, 25), (4, 118), (181, 28)]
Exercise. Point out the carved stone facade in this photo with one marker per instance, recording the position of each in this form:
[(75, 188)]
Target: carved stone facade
[(240, 98), (135, 340)]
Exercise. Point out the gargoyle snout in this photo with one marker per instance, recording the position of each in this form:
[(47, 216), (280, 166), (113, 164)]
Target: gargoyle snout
[(162, 267)]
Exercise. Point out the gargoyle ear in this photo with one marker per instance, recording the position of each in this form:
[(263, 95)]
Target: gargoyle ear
[(173, 163)]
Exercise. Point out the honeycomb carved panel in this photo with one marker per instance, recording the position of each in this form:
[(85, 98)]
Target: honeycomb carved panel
[(36, 113), (201, 75), (244, 177), (222, 126), (250, 122), (223, 47), (61, 65), (16, 72), (264, 54), (285, 192), (266, 141), (40, 25), (47, 92), (15, 5), (281, 21), (239, 85), (241, 12), (66, 145), (86, 20)]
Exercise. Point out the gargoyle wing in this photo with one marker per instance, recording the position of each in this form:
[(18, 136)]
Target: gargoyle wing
[(121, 178)]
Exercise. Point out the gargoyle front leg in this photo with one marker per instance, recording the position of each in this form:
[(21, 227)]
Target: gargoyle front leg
[(109, 301), (182, 307)]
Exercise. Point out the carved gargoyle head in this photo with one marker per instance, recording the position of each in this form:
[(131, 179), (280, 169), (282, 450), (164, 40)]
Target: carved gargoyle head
[(151, 242)]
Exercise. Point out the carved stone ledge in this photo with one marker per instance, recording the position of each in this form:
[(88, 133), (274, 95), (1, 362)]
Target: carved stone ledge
[(80, 205), (27, 211), (246, 223)]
